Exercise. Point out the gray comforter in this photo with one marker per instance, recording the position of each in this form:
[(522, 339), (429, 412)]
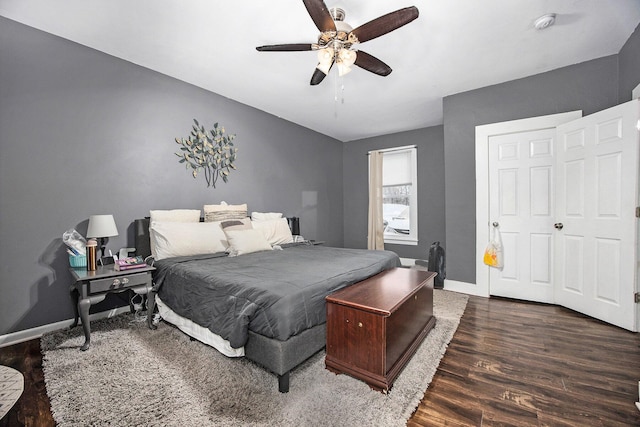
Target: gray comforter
[(275, 293)]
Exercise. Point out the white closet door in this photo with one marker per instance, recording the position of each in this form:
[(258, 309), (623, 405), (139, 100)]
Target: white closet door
[(596, 198), (521, 209)]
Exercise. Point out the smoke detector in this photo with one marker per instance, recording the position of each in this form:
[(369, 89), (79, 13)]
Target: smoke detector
[(545, 21)]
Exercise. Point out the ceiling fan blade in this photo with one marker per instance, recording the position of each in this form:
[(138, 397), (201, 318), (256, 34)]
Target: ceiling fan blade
[(320, 15), (318, 77), (385, 24), (292, 47), (371, 63)]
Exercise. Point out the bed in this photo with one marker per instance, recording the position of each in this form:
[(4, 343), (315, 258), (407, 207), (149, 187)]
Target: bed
[(268, 306)]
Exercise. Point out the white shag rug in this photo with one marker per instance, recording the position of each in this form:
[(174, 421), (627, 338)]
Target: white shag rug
[(137, 377)]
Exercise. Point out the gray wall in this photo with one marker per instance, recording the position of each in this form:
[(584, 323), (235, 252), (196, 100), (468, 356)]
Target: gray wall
[(629, 66), (84, 133), (431, 222)]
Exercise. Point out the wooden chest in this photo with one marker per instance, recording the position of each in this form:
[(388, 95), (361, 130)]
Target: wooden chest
[(375, 326)]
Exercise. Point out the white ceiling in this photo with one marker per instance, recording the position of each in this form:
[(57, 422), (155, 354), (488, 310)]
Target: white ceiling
[(453, 46)]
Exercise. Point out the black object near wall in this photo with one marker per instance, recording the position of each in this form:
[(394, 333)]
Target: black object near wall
[(294, 225)]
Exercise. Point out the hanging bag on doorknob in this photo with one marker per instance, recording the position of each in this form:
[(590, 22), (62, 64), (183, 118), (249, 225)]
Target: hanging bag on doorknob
[(493, 256)]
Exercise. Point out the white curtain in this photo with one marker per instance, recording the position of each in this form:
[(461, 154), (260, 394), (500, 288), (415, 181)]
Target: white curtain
[(375, 235)]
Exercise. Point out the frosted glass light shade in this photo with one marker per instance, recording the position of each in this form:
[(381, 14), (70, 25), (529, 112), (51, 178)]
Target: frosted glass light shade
[(325, 59), (102, 226)]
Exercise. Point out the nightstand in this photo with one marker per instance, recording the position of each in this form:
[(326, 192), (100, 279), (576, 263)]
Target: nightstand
[(92, 287)]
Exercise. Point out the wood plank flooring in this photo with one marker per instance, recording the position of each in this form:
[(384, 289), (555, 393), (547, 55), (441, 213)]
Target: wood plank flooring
[(525, 364), (510, 363), (32, 409)]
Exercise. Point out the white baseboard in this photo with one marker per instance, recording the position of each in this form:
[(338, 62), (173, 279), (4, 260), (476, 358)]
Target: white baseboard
[(464, 287), (29, 334), (452, 285)]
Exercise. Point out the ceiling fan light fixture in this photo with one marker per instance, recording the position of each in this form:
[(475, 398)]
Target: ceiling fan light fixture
[(347, 57), (325, 59)]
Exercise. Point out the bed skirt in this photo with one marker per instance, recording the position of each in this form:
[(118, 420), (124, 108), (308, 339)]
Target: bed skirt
[(198, 332)]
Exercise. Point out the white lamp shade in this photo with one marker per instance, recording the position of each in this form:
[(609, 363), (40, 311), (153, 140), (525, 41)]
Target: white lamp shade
[(102, 226)]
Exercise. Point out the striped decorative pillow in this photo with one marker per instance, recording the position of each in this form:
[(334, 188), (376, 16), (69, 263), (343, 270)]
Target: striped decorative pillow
[(236, 224), (224, 212)]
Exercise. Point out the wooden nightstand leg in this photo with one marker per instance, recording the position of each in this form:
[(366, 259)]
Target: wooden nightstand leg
[(83, 308)]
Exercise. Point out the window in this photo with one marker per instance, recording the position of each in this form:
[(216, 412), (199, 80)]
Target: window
[(400, 196)]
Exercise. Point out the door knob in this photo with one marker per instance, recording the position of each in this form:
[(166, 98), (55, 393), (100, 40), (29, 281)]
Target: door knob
[(558, 225)]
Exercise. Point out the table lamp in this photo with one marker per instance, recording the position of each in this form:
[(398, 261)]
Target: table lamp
[(102, 227)]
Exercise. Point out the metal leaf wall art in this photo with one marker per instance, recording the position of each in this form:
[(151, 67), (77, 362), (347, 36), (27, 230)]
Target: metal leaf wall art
[(211, 152)]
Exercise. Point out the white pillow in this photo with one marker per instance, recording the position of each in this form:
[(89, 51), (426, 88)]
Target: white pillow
[(265, 216), (224, 212), (243, 242), (171, 215), (276, 231), (187, 238), (175, 215)]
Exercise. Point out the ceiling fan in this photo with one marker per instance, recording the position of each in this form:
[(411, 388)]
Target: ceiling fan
[(337, 39)]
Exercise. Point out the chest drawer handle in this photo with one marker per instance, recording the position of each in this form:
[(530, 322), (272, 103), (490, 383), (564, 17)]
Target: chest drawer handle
[(116, 282), (359, 324), (415, 297), (125, 281)]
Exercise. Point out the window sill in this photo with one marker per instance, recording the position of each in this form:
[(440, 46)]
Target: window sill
[(400, 241)]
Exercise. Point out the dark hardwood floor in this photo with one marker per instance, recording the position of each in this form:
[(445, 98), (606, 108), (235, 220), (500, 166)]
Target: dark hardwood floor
[(525, 364), (32, 409), (510, 363)]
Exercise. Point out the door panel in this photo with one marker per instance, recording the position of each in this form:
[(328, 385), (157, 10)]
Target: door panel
[(607, 270), (540, 191), (508, 192), (596, 195), (541, 265), (510, 271), (574, 183), (572, 254)]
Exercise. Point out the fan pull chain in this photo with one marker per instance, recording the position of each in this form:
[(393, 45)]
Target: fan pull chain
[(338, 90), (335, 94)]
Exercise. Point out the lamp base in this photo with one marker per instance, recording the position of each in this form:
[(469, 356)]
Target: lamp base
[(102, 243)]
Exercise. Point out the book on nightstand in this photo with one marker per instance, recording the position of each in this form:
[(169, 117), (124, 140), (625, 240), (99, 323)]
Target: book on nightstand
[(130, 263)]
